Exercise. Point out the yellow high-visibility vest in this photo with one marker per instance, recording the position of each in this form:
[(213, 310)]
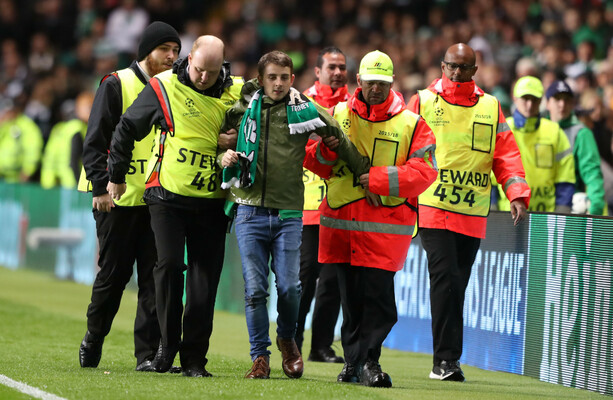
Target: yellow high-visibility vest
[(131, 86), (386, 143), (465, 142), (184, 161)]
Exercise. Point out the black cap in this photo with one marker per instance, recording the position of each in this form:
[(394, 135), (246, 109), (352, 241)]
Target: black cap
[(155, 34), (558, 87)]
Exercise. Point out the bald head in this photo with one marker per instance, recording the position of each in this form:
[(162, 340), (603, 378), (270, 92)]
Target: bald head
[(212, 43), (205, 61), (459, 63)]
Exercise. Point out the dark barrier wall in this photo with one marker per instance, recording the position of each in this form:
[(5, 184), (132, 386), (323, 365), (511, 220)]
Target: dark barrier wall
[(538, 302)]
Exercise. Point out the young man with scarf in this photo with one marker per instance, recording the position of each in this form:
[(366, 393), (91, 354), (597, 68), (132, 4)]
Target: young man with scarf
[(318, 279), (545, 152), (472, 139), (367, 225), (267, 196), (186, 105)]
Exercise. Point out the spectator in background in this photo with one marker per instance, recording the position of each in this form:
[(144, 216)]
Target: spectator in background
[(42, 56), (40, 104), (14, 72), (561, 103), (526, 66), (490, 79), (545, 152), (11, 24), (315, 278), (124, 27)]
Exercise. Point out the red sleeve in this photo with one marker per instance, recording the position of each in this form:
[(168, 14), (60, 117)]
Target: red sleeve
[(319, 158), (413, 104), (416, 175), (507, 166)]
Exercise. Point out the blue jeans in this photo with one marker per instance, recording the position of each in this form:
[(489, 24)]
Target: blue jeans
[(262, 236)]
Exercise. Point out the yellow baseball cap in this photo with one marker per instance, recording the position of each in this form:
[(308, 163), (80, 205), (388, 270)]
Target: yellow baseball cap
[(376, 66), (528, 85)]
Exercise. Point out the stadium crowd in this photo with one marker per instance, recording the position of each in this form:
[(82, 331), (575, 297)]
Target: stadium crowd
[(53, 50)]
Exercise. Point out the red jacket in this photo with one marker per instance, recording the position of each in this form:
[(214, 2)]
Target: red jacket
[(366, 240), (507, 161)]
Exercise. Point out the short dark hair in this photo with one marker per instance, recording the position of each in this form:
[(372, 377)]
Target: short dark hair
[(275, 57), (327, 50)]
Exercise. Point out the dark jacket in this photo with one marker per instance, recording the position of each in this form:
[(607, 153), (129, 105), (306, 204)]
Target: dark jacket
[(104, 116)]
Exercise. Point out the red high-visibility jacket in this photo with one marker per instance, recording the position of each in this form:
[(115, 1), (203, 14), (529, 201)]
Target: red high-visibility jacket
[(364, 235)]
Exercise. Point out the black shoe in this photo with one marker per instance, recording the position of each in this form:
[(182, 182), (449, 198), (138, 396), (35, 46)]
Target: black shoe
[(175, 370), (196, 372), (164, 358), (145, 366), (448, 371), (325, 355), (373, 376), (349, 374), (90, 351)]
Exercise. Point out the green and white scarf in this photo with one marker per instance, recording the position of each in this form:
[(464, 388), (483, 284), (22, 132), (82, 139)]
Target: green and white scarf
[(302, 117)]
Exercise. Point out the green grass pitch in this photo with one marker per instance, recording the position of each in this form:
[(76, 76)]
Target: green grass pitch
[(42, 321)]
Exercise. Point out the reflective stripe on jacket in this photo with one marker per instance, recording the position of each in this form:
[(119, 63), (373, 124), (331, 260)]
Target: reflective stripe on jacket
[(377, 237)]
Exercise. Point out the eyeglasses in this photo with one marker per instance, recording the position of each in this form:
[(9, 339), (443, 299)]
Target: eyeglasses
[(454, 66)]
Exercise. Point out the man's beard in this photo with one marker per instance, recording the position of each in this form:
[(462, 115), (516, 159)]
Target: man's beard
[(154, 67)]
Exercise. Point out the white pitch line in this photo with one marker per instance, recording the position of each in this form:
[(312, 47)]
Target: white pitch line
[(29, 390)]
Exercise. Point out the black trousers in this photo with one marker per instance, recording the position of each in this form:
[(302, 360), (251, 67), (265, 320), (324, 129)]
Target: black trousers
[(450, 259), (204, 232), (369, 311), (317, 280), (125, 236)]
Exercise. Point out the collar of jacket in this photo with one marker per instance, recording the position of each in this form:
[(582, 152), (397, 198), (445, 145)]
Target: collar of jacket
[(224, 79), (139, 74), (572, 120), (394, 104), (460, 93), (526, 124), (327, 97)]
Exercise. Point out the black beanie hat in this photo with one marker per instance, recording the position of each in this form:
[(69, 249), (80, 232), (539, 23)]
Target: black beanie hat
[(155, 34)]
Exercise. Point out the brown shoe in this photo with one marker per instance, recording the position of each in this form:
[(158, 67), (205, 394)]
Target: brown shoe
[(292, 360), (260, 369)]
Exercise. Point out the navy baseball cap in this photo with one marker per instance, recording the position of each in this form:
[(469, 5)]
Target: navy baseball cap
[(558, 87)]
